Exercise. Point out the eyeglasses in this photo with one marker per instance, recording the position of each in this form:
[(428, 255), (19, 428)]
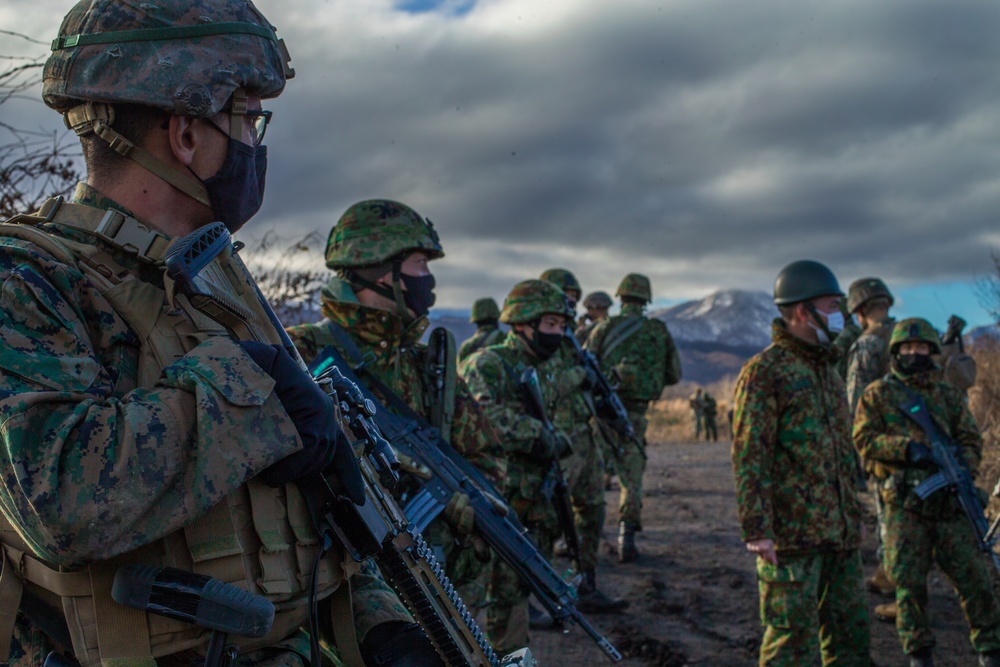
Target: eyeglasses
[(258, 120)]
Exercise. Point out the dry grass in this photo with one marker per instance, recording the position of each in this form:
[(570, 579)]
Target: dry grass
[(671, 420), (984, 401)]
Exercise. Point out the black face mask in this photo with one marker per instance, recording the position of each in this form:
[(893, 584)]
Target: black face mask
[(419, 294), (237, 189), (544, 345), (910, 364)]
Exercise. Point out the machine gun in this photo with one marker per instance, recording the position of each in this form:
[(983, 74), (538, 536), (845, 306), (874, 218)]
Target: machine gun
[(495, 522), (952, 476), (608, 405), (954, 332)]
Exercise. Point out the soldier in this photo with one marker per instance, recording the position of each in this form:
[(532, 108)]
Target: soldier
[(537, 314), (375, 310), (641, 353), (795, 469), (584, 468), (919, 532), (597, 305), (869, 300), (485, 315), (697, 403), (711, 432), (138, 430)]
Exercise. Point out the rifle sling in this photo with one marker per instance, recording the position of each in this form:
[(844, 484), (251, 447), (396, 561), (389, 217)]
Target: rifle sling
[(620, 334)]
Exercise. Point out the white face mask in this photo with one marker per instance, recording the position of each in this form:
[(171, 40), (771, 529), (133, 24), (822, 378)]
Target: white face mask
[(834, 322)]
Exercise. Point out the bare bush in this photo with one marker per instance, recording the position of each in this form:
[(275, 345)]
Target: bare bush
[(284, 272)]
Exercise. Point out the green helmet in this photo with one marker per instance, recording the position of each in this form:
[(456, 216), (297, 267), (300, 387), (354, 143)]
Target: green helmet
[(635, 285), (597, 300), (186, 58), (914, 329), (530, 299), (377, 230), (804, 280), (864, 290), (564, 279), (484, 310)]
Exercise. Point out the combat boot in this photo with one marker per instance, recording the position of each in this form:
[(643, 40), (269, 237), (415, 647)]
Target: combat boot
[(989, 659), (627, 551), (592, 601), (922, 657), (880, 583), (886, 612)]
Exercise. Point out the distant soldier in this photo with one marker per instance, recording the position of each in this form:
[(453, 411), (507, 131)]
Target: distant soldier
[(844, 339), (697, 403), (921, 532), (795, 470), (869, 300), (485, 315), (640, 352), (711, 432), (567, 282), (597, 305)]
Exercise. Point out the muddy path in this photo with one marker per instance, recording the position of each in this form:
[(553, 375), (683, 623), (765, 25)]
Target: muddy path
[(693, 591)]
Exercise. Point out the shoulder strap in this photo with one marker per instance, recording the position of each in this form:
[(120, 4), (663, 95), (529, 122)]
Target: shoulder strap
[(348, 347), (491, 338), (621, 333)]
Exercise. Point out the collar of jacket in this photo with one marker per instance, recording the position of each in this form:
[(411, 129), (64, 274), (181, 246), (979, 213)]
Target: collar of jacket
[(520, 352), (813, 353), (632, 309), (887, 322), (375, 327), (916, 380)]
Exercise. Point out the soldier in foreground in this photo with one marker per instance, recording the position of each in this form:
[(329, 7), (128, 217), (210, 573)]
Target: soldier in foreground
[(137, 426), (537, 314), (792, 432), (375, 311), (869, 300), (640, 351), (597, 305), (485, 315), (934, 530)]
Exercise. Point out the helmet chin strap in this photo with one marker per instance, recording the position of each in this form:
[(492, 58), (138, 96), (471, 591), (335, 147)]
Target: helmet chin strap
[(821, 323), (394, 294)]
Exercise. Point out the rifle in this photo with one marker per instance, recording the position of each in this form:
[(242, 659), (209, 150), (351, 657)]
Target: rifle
[(495, 522), (607, 405), (951, 475), (205, 267), (554, 487), (954, 332)]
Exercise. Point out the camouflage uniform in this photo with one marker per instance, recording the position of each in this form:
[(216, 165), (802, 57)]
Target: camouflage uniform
[(794, 466), (492, 375), (486, 335), (634, 360), (868, 359), (918, 532), (697, 403), (711, 432)]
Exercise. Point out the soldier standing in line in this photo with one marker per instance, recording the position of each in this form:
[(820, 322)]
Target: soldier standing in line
[(136, 426), (921, 532), (640, 352), (711, 432), (537, 313), (792, 433), (697, 403), (485, 315), (375, 309), (597, 305), (584, 468), (869, 300)]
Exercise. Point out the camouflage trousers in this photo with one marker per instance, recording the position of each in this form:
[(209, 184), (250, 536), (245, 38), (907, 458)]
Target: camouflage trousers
[(912, 545), (466, 565), (631, 464), (711, 432), (584, 475), (812, 607), (697, 425)]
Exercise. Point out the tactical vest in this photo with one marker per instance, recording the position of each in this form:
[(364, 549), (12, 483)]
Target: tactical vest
[(258, 538)]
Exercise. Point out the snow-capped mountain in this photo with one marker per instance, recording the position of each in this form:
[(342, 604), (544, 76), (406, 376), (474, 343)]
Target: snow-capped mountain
[(730, 317)]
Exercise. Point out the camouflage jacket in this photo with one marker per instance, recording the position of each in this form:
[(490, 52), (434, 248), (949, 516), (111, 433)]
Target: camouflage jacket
[(793, 460), (584, 328), (486, 335), (571, 412), (842, 344), (868, 359), (647, 361), (94, 465), (398, 360), (882, 431)]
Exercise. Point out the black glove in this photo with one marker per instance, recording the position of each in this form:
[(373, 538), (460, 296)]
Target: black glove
[(590, 380), (399, 644), (311, 410), (549, 446), (919, 455)]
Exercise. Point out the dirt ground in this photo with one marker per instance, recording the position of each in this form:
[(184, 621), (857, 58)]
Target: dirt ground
[(693, 591)]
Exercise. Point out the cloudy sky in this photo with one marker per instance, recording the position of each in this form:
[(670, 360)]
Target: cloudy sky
[(706, 143)]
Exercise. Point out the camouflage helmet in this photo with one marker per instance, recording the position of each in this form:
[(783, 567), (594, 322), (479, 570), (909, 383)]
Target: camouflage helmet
[(377, 230), (564, 279), (530, 299), (864, 290), (914, 329), (597, 300), (484, 310), (804, 280), (186, 58), (637, 286)]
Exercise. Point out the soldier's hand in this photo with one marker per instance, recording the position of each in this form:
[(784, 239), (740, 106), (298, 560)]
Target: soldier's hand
[(459, 514), (545, 446), (764, 549), (564, 447), (919, 455)]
